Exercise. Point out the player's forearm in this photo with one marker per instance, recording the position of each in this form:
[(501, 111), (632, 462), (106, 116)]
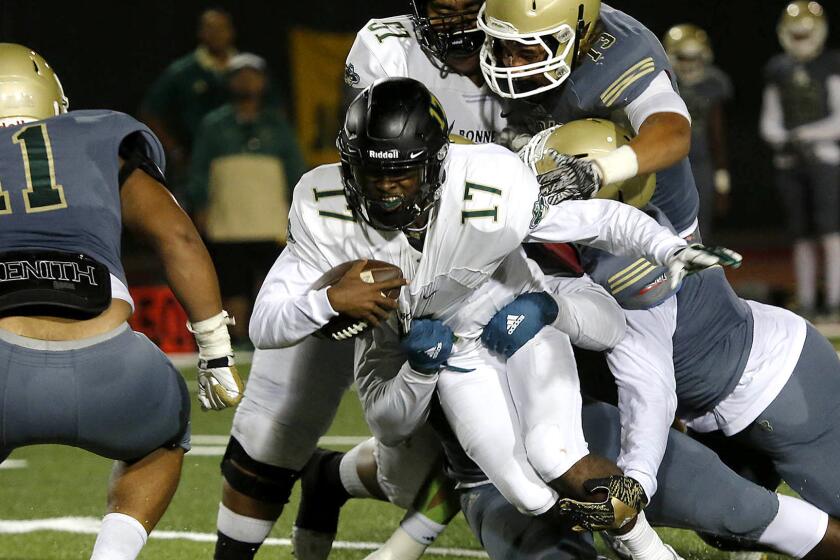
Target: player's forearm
[(190, 272), (611, 226), (395, 408), (287, 310), (642, 364), (772, 120), (663, 140), (587, 313), (282, 320)]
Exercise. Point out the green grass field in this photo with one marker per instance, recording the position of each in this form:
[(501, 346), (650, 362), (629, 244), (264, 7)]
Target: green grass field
[(61, 482)]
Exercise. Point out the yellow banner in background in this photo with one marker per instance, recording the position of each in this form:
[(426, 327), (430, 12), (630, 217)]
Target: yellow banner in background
[(318, 76)]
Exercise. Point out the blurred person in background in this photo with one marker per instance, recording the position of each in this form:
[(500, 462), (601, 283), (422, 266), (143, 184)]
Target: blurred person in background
[(800, 119), (188, 89), (245, 161), (705, 90)]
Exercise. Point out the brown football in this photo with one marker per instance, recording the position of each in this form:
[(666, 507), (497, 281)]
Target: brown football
[(343, 327)]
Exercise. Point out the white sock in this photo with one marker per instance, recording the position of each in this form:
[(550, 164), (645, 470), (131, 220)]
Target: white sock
[(401, 546), (644, 543), (796, 529), (121, 538), (241, 527), (805, 267), (349, 472), (831, 246), (421, 528)]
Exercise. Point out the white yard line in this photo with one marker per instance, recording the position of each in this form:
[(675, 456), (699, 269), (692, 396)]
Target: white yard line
[(14, 464), (90, 526)]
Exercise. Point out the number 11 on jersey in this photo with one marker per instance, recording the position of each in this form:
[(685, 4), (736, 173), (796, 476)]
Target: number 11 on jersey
[(42, 193)]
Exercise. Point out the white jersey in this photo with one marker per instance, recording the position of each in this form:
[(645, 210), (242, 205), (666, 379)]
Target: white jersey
[(489, 204), (388, 48)]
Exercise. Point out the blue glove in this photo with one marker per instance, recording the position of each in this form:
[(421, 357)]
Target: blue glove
[(518, 322), (428, 345)]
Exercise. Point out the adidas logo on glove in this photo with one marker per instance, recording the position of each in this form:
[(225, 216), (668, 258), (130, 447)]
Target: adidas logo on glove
[(513, 321), (434, 350)]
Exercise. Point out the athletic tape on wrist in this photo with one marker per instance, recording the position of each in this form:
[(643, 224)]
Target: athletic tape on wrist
[(212, 337), (617, 166)]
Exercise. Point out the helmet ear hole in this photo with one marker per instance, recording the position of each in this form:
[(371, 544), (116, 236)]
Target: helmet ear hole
[(35, 65)]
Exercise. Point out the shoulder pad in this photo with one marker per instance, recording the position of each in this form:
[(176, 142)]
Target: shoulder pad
[(622, 61), (379, 51), (117, 127)]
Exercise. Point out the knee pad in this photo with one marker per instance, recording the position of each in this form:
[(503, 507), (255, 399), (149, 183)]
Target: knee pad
[(550, 453), (256, 480)]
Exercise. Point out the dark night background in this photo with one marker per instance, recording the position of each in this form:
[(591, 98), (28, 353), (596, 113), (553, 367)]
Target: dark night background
[(108, 53)]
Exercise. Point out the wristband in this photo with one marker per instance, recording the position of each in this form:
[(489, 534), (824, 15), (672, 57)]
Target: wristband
[(212, 337), (617, 166)]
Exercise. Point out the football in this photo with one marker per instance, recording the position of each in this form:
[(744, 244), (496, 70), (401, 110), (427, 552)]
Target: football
[(344, 327)]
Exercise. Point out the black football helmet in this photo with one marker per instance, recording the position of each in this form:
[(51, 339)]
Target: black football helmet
[(454, 35), (394, 128)]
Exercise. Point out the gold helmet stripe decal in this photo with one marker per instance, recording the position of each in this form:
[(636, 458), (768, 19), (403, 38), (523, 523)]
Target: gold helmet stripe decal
[(437, 112)]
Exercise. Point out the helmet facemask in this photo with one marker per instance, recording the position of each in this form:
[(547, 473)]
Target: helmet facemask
[(362, 176), (690, 65), (559, 43), (803, 30), (454, 35)]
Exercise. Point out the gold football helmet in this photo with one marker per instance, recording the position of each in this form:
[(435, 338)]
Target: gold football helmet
[(690, 51), (803, 29), (558, 28), (588, 138), (29, 89)]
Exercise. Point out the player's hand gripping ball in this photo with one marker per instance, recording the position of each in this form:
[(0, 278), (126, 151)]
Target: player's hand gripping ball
[(363, 292)]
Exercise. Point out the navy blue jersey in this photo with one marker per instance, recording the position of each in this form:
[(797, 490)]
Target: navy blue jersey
[(803, 87), (713, 335), (714, 89), (59, 185), (623, 61)]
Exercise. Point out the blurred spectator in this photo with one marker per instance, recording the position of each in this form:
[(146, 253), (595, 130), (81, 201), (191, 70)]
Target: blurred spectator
[(705, 89), (801, 122), (245, 163), (188, 89)]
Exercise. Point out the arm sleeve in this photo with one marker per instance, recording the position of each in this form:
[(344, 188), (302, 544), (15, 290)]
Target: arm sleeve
[(286, 309), (659, 97), (588, 314), (772, 126), (395, 399), (827, 129), (606, 224), (643, 366)]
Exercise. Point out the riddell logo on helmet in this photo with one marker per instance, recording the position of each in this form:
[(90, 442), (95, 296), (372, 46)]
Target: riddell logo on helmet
[(385, 154)]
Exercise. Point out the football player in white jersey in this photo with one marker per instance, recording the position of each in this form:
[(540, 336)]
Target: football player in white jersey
[(407, 193), (437, 45), (294, 393)]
